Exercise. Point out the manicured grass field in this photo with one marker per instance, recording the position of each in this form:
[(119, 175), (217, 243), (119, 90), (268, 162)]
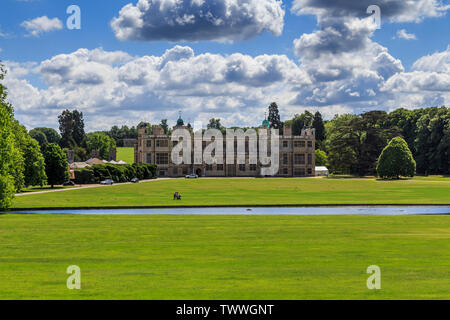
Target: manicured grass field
[(45, 188), (224, 257), (125, 154), (432, 178), (208, 192)]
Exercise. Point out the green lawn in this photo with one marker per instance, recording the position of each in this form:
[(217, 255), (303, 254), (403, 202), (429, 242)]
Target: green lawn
[(224, 257), (125, 154), (45, 188), (207, 192), (432, 178)]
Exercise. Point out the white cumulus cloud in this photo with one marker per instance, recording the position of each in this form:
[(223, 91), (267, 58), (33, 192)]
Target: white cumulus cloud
[(195, 20), (403, 34), (40, 25)]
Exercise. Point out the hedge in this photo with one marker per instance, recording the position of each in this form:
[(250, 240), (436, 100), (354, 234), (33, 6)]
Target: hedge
[(116, 172)]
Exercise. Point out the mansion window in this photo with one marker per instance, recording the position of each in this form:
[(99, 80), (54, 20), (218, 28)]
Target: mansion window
[(285, 144), (242, 167), (299, 144), (253, 167), (149, 143), (209, 167), (309, 158), (162, 173), (285, 159), (299, 159), (309, 144), (162, 158), (220, 167), (162, 143), (309, 171), (299, 172), (285, 171), (149, 158)]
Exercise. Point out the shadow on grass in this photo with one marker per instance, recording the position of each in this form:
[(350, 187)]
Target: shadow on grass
[(349, 177), (37, 189)]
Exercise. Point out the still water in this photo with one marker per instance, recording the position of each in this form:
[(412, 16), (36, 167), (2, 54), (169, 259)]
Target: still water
[(342, 210)]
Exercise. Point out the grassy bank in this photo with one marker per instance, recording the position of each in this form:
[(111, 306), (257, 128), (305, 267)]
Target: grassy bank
[(125, 154), (224, 257), (204, 192)]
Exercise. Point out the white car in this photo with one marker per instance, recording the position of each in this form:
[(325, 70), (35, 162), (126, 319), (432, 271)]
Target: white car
[(192, 176), (107, 182)]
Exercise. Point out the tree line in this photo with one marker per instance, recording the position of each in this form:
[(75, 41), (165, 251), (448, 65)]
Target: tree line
[(352, 144), (23, 162)]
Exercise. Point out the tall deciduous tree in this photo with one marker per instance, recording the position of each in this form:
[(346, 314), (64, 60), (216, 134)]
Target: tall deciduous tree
[(8, 154), (51, 135), (274, 116), (321, 158), (100, 141), (56, 166), (164, 125), (39, 136), (300, 121), (16, 156), (396, 160), (34, 170), (320, 129), (71, 126), (432, 141), (214, 124), (33, 161)]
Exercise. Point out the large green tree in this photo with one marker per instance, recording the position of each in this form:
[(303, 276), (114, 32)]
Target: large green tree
[(274, 117), (124, 132), (396, 160), (8, 155), (51, 135), (355, 142), (39, 136), (300, 121), (320, 129), (321, 158), (71, 126), (33, 161), (11, 160), (34, 170), (56, 166), (164, 125), (432, 142), (100, 141), (215, 124)]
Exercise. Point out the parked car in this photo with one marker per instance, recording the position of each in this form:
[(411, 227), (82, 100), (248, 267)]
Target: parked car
[(192, 176), (69, 183), (107, 182), (135, 180)]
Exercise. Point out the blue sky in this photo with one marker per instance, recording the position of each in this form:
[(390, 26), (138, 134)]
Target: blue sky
[(321, 55)]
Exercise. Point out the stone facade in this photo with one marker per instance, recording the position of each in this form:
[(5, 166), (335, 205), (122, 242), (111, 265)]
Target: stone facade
[(297, 156)]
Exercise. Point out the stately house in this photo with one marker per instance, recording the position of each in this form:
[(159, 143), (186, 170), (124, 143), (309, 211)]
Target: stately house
[(297, 155)]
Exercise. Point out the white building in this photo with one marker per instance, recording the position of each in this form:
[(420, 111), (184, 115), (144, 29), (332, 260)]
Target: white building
[(322, 171)]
